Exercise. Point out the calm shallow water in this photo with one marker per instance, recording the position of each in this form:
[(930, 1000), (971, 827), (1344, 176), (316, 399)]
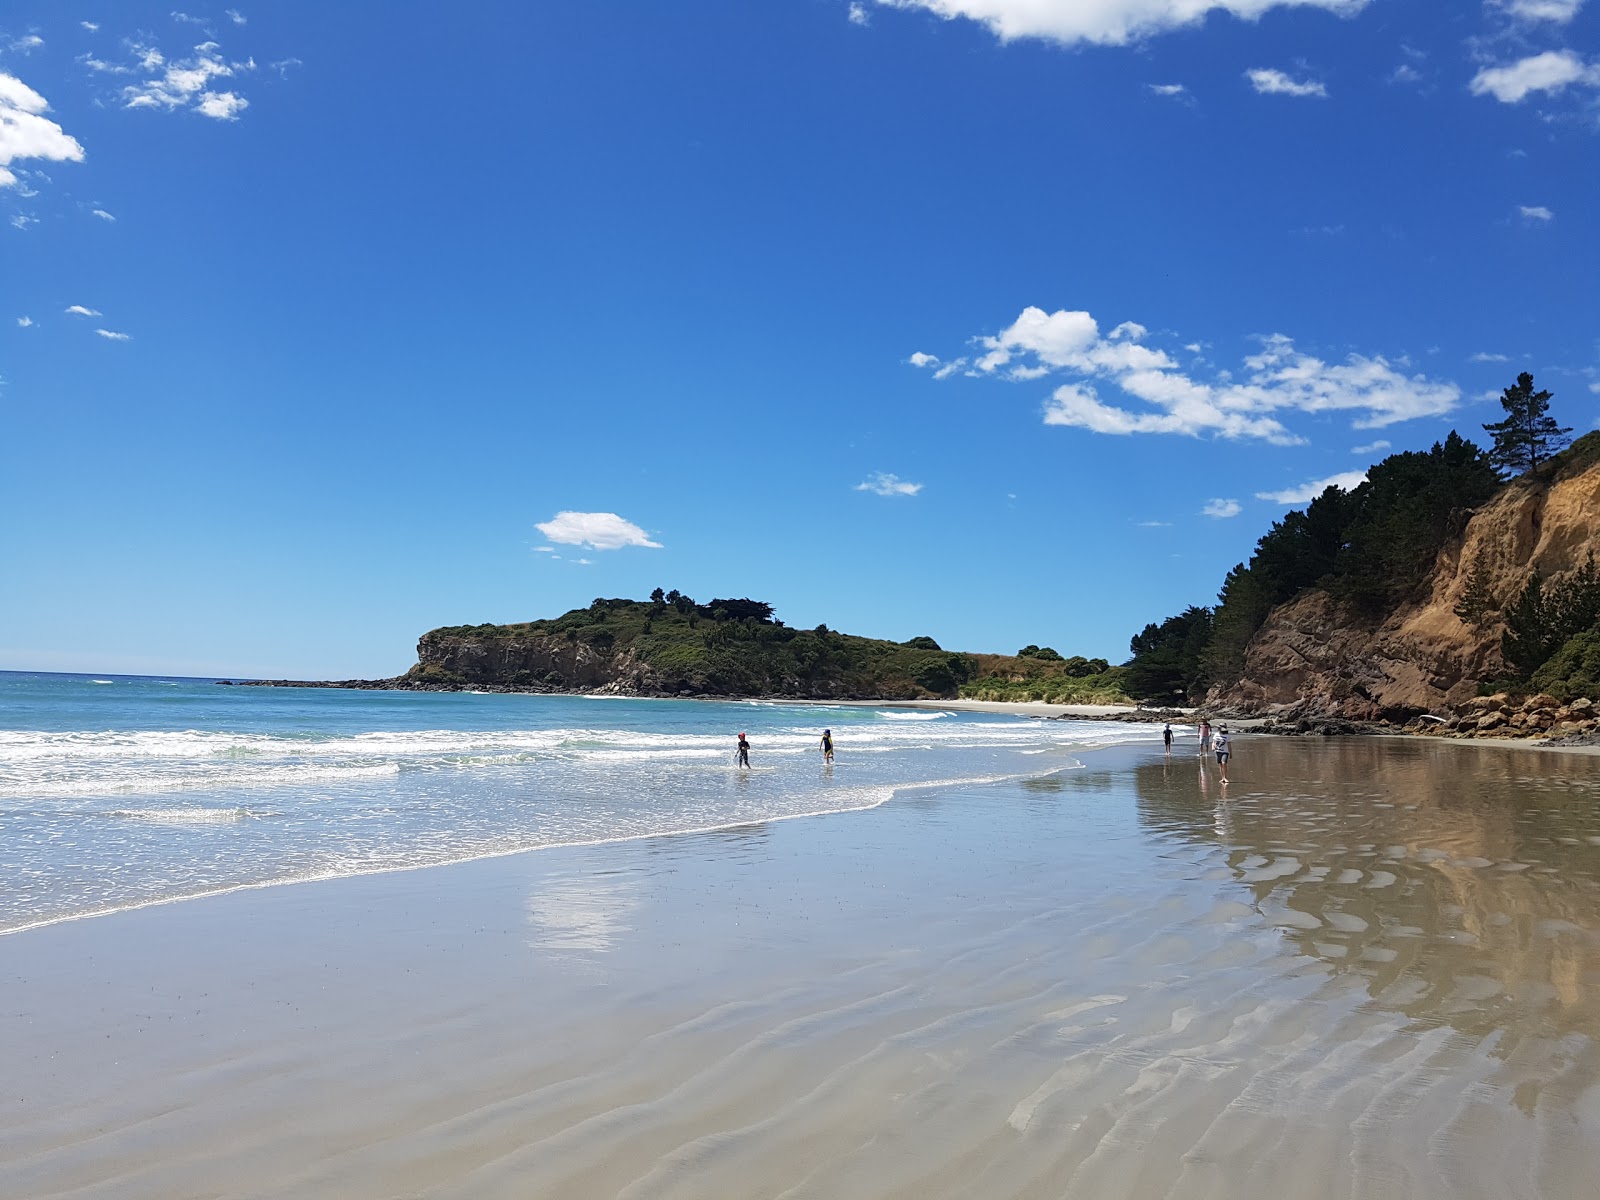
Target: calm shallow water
[(118, 791)]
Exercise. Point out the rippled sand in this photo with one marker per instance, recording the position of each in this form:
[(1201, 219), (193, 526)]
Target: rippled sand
[(1370, 970)]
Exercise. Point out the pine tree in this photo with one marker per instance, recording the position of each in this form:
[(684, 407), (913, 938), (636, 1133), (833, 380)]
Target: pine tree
[(1475, 602), (1528, 436)]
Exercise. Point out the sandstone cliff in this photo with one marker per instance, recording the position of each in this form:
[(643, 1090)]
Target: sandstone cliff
[(1423, 657)]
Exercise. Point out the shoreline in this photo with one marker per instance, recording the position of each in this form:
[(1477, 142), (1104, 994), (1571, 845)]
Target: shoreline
[(894, 792)]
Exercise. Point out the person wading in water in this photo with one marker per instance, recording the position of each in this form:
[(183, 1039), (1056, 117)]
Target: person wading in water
[(743, 756)]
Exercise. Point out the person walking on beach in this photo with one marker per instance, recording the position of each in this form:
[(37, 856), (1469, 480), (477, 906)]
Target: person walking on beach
[(743, 756), (1205, 735), (827, 745), (1166, 737), (1224, 753)]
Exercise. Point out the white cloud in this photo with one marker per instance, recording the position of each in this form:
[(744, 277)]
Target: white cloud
[(1277, 379), (90, 26), (1155, 524), (858, 13), (1551, 71), (1536, 212), (79, 310), (881, 484), (24, 322), (1405, 73), (1222, 509), (1371, 447), (950, 368), (224, 106), (237, 17), (919, 359), (1168, 89), (26, 44), (1559, 11), (597, 530), (26, 133), (112, 336), (1105, 22), (1481, 357), (1270, 81), (103, 215), (23, 220), (1304, 493)]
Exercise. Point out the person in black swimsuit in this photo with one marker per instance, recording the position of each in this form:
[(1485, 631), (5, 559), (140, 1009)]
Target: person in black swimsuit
[(744, 752), (827, 745)]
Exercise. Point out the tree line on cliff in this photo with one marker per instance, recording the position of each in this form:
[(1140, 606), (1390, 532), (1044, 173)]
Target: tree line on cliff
[(1373, 548)]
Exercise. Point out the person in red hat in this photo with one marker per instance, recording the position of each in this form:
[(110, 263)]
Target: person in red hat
[(744, 752)]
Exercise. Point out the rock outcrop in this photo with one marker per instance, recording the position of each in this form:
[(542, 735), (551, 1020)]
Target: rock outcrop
[(1310, 658)]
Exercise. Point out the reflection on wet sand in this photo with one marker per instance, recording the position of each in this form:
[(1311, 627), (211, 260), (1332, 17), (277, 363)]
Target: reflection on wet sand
[(1461, 885)]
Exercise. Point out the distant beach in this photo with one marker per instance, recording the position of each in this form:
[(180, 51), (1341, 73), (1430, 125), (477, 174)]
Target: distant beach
[(1367, 970)]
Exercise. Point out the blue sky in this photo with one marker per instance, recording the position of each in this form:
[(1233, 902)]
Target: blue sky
[(1003, 321)]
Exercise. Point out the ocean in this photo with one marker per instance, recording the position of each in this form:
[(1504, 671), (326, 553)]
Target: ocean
[(121, 791)]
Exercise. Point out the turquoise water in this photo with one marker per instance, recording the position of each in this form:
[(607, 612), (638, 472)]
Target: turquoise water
[(117, 791)]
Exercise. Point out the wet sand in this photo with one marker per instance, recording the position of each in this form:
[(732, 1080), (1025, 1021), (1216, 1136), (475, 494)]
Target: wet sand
[(1371, 971)]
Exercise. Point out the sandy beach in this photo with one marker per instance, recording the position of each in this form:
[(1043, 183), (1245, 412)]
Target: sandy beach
[(1369, 970)]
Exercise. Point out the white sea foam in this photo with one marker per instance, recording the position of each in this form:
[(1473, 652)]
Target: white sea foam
[(913, 716), (304, 786)]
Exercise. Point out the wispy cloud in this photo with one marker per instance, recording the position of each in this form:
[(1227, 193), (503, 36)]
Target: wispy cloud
[(1155, 524), (1535, 212), (1376, 447), (1222, 509), (23, 220), (113, 336), (90, 26), (26, 44), (1270, 81), (882, 484), (1304, 493), (1482, 357), (1558, 11), (1168, 89), (596, 530), (24, 322), (237, 17), (1105, 22), (1553, 71), (103, 214), (1278, 379), (186, 83), (858, 13), (26, 133), (78, 310)]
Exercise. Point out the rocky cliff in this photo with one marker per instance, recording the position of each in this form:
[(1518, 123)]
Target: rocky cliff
[(1312, 657)]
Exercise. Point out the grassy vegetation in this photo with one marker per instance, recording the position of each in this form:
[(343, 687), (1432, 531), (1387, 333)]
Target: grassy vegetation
[(1051, 681)]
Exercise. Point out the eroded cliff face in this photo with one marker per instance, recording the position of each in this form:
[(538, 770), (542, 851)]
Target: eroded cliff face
[(534, 662), (555, 664), (1423, 657)]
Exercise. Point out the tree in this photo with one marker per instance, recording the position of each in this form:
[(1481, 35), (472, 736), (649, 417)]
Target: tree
[(1475, 602), (1166, 658), (1528, 436), (658, 597)]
